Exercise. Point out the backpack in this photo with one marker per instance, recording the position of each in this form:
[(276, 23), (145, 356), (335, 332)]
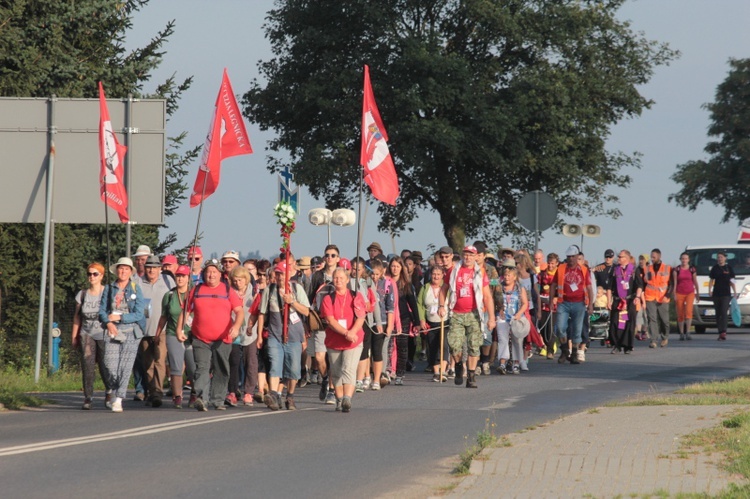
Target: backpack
[(196, 293)]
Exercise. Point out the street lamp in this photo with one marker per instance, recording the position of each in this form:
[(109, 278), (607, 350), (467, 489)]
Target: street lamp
[(341, 217), (588, 230)]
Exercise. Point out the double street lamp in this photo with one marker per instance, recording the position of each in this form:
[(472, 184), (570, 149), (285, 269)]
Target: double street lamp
[(341, 217)]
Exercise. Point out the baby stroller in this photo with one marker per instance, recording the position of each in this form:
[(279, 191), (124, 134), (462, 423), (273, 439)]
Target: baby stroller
[(599, 325)]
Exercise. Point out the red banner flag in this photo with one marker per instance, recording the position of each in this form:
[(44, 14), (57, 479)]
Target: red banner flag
[(226, 137), (112, 154), (380, 173)]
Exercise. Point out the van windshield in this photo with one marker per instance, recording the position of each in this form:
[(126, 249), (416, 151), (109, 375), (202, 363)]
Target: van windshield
[(704, 259)]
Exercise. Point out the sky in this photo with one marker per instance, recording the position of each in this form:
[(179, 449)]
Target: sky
[(210, 36)]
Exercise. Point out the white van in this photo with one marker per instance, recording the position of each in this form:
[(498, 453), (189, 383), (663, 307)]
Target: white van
[(703, 258)]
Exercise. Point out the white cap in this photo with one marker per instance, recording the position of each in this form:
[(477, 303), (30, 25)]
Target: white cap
[(572, 250), (142, 250)]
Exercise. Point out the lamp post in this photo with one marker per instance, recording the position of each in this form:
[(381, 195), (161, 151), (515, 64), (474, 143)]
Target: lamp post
[(322, 216), (588, 230)]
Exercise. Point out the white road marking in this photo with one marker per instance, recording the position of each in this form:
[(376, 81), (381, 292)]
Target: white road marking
[(133, 432)]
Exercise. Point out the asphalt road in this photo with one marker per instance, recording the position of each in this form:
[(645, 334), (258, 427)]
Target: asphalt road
[(393, 443)]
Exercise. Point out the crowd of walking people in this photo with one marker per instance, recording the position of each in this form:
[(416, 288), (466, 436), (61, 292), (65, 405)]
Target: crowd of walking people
[(253, 332)]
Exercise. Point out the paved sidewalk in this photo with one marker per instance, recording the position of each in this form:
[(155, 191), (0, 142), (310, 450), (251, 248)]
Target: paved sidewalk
[(608, 452)]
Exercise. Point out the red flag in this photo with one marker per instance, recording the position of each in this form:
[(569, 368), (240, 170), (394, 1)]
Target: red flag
[(380, 173), (112, 156), (226, 137)]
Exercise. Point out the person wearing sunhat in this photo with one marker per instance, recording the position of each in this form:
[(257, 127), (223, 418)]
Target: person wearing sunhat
[(217, 319), (139, 259), (153, 349), (121, 314), (230, 260), (374, 250)]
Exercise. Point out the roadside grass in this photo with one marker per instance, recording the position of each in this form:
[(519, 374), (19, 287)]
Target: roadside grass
[(17, 388), (724, 392), (485, 438)]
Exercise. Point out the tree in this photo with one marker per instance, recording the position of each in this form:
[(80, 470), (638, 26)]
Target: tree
[(483, 101), (65, 48), (724, 179)]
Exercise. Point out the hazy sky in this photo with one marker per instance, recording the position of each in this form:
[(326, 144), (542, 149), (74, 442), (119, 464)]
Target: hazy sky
[(227, 33)]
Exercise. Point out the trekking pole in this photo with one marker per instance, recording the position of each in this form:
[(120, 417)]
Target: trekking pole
[(442, 330)]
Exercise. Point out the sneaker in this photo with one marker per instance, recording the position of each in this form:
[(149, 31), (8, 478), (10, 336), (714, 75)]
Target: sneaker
[(330, 398), (139, 397), (108, 400), (346, 404), (375, 386), (450, 374), (177, 402), (304, 380), (423, 356), (550, 356), (359, 387), (399, 381), (581, 355), (156, 401), (385, 379), (117, 405), (366, 383), (338, 404), (409, 366), (220, 407), (289, 404), (459, 374), (271, 401), (543, 352), (688, 337), (485, 368), (191, 402), (524, 364), (315, 377), (247, 399), (323, 389), (722, 337), (501, 369), (478, 371), (231, 400), (663, 343), (86, 405), (516, 369), (682, 337), (200, 405), (652, 344), (436, 378)]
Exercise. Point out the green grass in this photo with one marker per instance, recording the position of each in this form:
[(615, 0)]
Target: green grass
[(726, 392), (18, 387), (485, 438)]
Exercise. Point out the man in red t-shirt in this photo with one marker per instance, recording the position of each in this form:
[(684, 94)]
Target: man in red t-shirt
[(217, 318), (572, 298), (470, 300)]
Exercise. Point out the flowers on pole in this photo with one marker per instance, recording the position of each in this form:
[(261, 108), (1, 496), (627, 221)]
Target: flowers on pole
[(285, 215)]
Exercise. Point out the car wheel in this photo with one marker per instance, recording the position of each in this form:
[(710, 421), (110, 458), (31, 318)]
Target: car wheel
[(700, 329)]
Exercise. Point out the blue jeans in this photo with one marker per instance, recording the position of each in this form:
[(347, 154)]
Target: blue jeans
[(286, 359), (574, 312)]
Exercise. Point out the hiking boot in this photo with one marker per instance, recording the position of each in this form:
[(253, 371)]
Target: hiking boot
[(471, 380), (664, 343), (290, 404), (177, 402), (574, 357), (485, 368), (271, 401), (156, 401), (323, 389), (86, 405), (258, 397), (139, 397), (564, 357), (459, 374)]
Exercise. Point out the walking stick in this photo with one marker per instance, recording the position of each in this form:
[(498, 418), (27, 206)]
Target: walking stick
[(442, 329)]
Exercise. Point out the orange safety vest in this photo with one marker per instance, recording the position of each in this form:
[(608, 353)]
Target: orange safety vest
[(657, 283), (561, 281)]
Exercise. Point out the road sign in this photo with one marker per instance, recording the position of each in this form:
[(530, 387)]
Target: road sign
[(536, 211)]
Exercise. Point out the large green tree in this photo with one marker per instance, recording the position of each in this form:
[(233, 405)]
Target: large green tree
[(483, 101), (724, 178), (65, 48)]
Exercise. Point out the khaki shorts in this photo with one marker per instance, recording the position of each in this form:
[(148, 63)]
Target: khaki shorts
[(465, 327), (316, 343)]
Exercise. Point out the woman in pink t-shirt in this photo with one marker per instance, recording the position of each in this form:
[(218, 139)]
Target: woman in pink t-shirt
[(686, 287)]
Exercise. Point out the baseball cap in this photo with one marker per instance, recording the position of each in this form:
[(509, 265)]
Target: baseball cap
[(572, 250), (169, 259), (231, 254), (213, 262), (304, 263), (609, 254), (345, 264), (280, 268), (446, 249), (182, 270), (142, 250), (470, 249), (315, 261), (153, 261), (195, 251)]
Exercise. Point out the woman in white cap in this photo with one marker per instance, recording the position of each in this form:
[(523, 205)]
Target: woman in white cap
[(121, 314)]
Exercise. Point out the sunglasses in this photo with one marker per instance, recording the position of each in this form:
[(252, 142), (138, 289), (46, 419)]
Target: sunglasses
[(93, 274), (196, 258), (331, 255)]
